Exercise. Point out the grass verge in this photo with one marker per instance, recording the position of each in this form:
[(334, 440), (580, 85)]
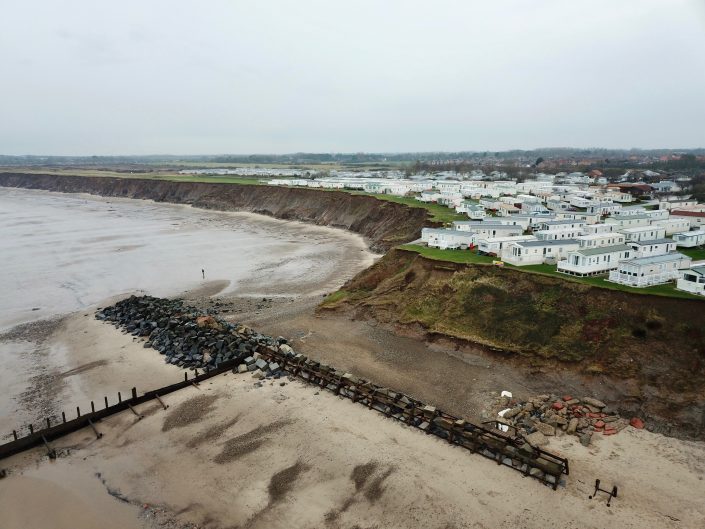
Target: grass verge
[(471, 257)]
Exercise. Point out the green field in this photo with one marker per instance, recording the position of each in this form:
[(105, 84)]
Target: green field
[(438, 213), (471, 257), (696, 254)]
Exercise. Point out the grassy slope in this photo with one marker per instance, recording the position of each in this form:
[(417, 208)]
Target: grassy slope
[(531, 313), (438, 213)]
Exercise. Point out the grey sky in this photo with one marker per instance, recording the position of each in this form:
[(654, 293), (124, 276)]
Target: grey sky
[(173, 76)]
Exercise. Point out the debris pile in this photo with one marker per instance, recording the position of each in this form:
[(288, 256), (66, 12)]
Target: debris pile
[(543, 416), (190, 338)]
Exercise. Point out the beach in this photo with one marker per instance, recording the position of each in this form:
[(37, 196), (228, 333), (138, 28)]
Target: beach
[(65, 255)]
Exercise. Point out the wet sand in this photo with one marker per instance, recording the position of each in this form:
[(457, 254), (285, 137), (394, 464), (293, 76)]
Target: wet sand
[(66, 255), (61, 253)]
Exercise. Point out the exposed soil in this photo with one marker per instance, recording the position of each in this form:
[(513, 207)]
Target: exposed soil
[(647, 352)]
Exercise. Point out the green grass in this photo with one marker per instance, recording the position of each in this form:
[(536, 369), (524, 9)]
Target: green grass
[(239, 180), (471, 257), (335, 296), (438, 213), (453, 256), (696, 254)]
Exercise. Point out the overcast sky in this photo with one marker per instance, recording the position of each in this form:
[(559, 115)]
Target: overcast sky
[(175, 76)]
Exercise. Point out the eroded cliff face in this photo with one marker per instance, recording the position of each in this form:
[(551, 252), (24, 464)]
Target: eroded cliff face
[(647, 353), (384, 224)]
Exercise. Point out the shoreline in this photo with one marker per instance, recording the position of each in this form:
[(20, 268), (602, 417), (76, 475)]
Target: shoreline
[(62, 360)]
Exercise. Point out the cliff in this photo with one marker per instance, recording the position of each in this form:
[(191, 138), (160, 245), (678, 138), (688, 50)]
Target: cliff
[(383, 223), (647, 352)]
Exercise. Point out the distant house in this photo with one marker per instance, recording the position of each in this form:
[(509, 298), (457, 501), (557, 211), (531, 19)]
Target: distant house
[(604, 208), (692, 280), (696, 218), (593, 229), (534, 207), (428, 196), (674, 225), (600, 240), (472, 210), (580, 216), (644, 233), (652, 248), (447, 239), (495, 245), (487, 229), (556, 204), (690, 239), (636, 190), (628, 221), (594, 261), (553, 230), (666, 186), (678, 204), (522, 253), (649, 271), (524, 221)]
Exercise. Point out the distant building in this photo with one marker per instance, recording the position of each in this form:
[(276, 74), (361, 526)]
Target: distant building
[(529, 252), (696, 218), (595, 261), (692, 280), (649, 271), (690, 239)]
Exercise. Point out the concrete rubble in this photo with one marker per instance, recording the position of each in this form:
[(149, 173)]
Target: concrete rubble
[(544, 416)]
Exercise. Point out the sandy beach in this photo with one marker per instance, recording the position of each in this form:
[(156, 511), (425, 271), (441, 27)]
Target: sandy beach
[(230, 454)]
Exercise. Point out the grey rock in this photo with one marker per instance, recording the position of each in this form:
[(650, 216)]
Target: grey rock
[(261, 364), (545, 429), (594, 402), (537, 439)]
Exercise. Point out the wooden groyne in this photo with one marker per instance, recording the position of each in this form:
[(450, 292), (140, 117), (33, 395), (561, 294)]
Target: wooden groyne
[(483, 440)]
